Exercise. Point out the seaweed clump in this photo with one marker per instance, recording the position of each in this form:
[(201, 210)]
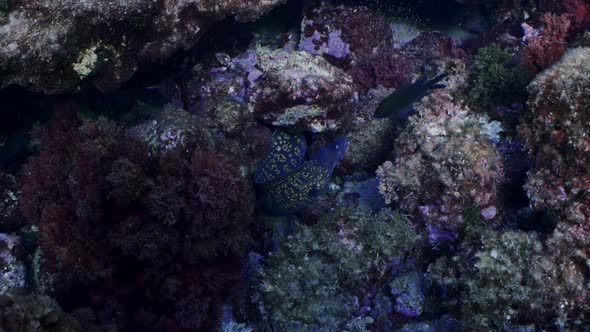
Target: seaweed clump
[(329, 275), (153, 240), (493, 82)]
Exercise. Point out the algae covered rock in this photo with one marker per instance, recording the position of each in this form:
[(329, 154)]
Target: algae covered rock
[(557, 135), (173, 128), (445, 164), (323, 275), (12, 269), (370, 139), (57, 46), (515, 278), (34, 313), (300, 90)]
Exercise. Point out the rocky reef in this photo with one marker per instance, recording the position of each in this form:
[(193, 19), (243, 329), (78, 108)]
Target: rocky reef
[(557, 137), (60, 46), (329, 275), (287, 165)]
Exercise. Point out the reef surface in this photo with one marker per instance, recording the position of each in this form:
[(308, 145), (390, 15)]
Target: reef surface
[(290, 165)]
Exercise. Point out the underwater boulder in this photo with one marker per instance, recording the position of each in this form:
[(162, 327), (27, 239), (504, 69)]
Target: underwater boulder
[(445, 164), (555, 130), (300, 90), (59, 46)]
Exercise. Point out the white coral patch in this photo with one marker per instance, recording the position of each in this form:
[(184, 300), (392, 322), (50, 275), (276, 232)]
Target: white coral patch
[(87, 60)]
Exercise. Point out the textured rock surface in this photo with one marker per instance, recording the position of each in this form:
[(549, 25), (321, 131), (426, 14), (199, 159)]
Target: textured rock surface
[(298, 89), (370, 139), (557, 135), (445, 165), (56, 46), (514, 278)]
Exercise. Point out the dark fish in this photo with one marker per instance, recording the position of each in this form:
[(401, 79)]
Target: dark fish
[(291, 192), (398, 105)]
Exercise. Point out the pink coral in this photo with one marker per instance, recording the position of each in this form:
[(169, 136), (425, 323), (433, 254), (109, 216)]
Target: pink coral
[(545, 49), (579, 11)]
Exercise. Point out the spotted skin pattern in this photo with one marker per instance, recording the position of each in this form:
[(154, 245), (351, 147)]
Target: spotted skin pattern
[(285, 182), (294, 191), (286, 154)]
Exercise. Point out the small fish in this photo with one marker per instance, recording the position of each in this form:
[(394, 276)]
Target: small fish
[(398, 105), (289, 191)]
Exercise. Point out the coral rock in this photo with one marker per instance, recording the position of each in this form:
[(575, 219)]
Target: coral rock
[(301, 90), (370, 139), (557, 135), (58, 46), (445, 164)]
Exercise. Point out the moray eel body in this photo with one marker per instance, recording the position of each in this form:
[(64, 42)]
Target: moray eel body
[(286, 154), (285, 190)]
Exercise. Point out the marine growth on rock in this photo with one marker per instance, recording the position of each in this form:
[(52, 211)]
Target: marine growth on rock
[(293, 165)]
